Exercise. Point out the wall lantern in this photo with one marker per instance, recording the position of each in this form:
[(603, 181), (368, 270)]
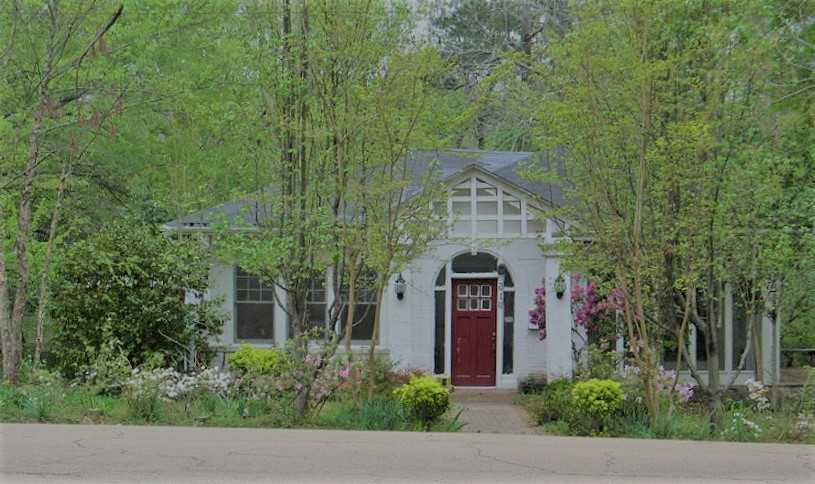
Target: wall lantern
[(560, 286), (400, 287), (772, 300)]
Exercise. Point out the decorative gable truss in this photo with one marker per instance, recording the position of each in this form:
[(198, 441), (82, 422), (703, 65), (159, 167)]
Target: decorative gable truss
[(480, 206)]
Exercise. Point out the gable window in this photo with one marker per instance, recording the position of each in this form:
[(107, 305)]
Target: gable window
[(254, 308), (478, 208)]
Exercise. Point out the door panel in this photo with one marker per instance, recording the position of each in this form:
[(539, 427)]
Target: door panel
[(474, 332)]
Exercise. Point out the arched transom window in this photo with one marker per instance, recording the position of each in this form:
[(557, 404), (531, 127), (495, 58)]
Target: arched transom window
[(477, 208)]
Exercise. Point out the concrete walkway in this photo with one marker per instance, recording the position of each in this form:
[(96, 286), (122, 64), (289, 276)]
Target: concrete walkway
[(84, 453), (490, 412)]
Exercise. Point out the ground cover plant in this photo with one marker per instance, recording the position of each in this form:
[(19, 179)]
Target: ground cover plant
[(257, 392), (615, 408)]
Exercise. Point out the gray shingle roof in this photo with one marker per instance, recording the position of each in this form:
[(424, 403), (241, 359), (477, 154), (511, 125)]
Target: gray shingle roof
[(504, 165)]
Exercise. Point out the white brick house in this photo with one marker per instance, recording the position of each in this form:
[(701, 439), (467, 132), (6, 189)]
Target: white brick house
[(464, 311)]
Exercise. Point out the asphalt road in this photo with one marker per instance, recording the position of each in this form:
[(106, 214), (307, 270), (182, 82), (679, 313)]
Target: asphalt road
[(80, 453)]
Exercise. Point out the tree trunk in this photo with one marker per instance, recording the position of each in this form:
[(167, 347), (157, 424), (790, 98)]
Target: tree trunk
[(13, 349), (350, 307), (42, 298), (6, 338), (380, 291)]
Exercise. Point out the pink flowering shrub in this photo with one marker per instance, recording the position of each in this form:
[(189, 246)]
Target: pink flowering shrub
[(537, 313), (597, 314), (683, 392)]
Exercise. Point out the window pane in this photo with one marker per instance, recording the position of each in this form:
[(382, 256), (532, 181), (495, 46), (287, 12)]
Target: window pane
[(512, 207), (485, 190), (486, 304), (508, 282), (487, 227), (462, 289), (487, 208), (474, 304), (267, 295), (241, 295), (481, 262), (462, 304), (438, 350), (486, 290), (363, 322), (535, 227), (462, 189), (740, 335), (462, 227), (441, 279), (255, 321), (462, 208), (316, 314), (512, 226), (474, 290), (509, 332)]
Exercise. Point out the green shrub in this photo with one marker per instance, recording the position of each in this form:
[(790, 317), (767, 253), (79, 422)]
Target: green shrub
[(257, 361), (128, 281), (424, 399), (553, 403), (532, 383), (601, 362), (109, 370), (597, 398)]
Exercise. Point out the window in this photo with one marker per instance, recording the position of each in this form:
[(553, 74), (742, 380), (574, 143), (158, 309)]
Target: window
[(480, 262), (740, 325), (364, 308), (316, 302), (478, 207), (438, 347), (509, 331), (474, 297), (254, 308)]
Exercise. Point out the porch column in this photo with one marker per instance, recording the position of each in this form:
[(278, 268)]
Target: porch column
[(558, 324)]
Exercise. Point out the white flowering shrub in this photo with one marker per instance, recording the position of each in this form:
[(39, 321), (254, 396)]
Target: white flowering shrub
[(169, 384), (757, 395), (740, 428)]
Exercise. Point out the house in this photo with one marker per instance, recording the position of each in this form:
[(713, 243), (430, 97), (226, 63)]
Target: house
[(461, 308)]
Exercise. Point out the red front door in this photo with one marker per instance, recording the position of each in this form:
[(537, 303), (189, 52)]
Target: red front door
[(474, 332)]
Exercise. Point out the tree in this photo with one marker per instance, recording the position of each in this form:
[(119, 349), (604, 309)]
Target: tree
[(338, 100), (129, 283), (45, 90), (662, 110), (492, 45)]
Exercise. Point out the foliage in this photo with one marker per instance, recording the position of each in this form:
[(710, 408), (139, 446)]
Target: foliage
[(380, 413), (600, 362), (597, 398), (537, 313), (424, 399), (553, 403), (109, 369), (598, 315), (532, 383), (128, 282), (254, 361)]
